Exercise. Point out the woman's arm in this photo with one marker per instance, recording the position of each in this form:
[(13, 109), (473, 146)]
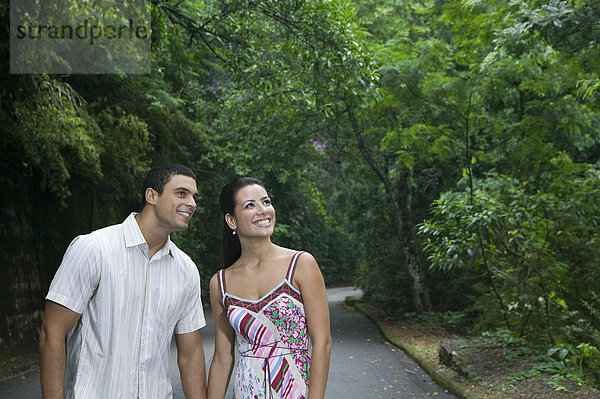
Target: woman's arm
[(223, 359), (309, 280)]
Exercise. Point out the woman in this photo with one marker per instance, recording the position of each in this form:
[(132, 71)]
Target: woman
[(269, 303)]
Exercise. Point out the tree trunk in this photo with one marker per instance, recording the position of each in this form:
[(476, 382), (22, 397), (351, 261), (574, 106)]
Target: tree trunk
[(401, 201), (404, 224)]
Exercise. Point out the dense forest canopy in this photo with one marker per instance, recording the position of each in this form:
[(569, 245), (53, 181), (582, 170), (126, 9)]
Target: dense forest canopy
[(442, 155)]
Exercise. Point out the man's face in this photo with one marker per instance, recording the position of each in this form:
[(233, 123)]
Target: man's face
[(177, 203)]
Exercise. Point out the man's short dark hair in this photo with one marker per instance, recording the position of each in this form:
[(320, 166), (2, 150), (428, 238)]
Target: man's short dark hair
[(158, 176)]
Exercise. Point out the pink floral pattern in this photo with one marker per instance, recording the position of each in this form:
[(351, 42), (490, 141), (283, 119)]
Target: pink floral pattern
[(291, 324)]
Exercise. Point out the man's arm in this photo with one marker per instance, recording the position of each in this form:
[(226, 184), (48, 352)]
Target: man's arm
[(56, 324), (190, 359)]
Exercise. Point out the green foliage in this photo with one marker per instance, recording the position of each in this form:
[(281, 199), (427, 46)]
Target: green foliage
[(560, 362), (505, 338), (285, 50), (522, 240), (513, 235), (124, 158), (520, 376), (448, 320), (53, 134)]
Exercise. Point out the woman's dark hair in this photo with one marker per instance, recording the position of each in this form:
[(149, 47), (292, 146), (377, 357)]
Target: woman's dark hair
[(231, 242), (158, 176)]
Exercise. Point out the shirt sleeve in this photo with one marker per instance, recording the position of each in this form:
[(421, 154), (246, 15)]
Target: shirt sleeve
[(193, 313), (77, 276)]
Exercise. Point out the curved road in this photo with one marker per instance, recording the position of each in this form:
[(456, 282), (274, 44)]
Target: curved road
[(363, 364)]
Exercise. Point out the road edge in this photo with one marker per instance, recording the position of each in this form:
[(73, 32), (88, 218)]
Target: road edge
[(451, 386), (20, 366)]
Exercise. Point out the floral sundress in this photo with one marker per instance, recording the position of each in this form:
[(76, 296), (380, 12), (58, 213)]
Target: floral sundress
[(272, 341)]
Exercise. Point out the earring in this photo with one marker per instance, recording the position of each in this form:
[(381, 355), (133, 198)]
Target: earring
[(234, 233)]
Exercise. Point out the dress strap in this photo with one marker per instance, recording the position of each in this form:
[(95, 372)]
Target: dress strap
[(221, 280), (292, 267)]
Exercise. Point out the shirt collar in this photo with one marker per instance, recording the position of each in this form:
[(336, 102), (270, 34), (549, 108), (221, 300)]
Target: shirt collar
[(166, 249), (134, 237), (132, 232)]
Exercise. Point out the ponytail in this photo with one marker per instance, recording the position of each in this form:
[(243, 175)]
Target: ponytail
[(232, 249), (231, 246)]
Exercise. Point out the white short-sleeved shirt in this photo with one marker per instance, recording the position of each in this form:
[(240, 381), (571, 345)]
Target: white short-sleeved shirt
[(130, 308)]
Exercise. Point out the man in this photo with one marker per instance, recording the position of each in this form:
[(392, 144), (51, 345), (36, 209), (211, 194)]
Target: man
[(118, 297)]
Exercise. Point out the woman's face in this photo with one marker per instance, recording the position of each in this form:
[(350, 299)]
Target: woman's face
[(254, 215)]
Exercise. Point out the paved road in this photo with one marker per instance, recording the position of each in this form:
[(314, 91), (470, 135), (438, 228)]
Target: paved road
[(363, 364)]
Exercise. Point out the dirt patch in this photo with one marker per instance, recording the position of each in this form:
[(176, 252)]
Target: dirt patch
[(481, 368)]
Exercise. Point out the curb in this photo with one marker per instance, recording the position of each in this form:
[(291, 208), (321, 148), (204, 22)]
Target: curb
[(454, 388)]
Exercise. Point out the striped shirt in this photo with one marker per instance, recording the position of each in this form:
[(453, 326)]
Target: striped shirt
[(130, 307)]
